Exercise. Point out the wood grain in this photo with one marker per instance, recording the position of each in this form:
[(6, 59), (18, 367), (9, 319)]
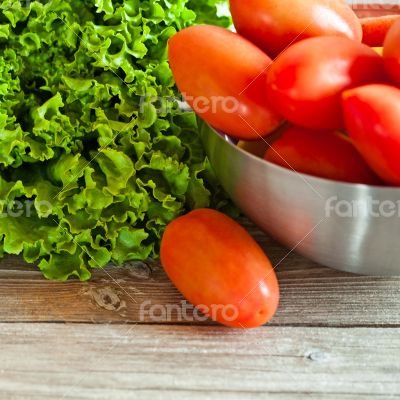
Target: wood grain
[(311, 295), (81, 361)]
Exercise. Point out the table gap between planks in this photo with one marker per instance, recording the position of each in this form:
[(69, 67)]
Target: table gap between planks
[(336, 335)]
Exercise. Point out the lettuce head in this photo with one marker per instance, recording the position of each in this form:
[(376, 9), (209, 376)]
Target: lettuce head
[(96, 157)]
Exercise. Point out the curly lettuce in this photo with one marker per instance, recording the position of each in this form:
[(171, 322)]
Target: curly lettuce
[(96, 157)]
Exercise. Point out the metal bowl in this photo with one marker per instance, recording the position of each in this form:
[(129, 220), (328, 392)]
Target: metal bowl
[(354, 228)]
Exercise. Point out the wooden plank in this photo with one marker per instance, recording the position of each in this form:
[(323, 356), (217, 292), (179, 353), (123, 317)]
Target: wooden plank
[(311, 295), (82, 361)]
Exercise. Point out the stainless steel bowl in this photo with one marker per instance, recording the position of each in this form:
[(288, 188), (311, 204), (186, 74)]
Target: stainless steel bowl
[(354, 228)]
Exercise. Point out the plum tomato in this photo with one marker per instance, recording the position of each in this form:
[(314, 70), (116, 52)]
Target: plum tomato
[(222, 76), (371, 114), (375, 29), (274, 26), (259, 147), (391, 53), (325, 154), (219, 268), (305, 83)]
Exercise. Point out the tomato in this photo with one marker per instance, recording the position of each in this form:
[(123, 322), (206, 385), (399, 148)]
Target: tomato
[(305, 83), (259, 147), (273, 25), (391, 53), (326, 154), (219, 267), (222, 76), (372, 119), (375, 29)]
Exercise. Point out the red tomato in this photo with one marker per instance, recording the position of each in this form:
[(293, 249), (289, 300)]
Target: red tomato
[(372, 119), (305, 83), (375, 29), (222, 76), (326, 154), (273, 25), (219, 267), (391, 53)]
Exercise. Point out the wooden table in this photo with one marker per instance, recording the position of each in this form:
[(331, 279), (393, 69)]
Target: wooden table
[(335, 336)]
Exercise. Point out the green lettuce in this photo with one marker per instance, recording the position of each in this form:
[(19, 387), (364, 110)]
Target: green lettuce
[(96, 157)]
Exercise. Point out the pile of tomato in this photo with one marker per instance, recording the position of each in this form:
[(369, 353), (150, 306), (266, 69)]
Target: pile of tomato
[(302, 74)]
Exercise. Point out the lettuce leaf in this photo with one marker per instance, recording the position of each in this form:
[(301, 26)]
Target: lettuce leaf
[(96, 157)]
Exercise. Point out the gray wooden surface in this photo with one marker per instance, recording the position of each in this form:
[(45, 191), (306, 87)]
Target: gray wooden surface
[(84, 361), (335, 335)]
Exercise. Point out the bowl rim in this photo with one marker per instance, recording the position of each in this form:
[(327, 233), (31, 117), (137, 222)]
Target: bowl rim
[(309, 178)]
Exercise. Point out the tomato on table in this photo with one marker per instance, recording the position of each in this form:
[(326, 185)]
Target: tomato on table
[(273, 25), (391, 53), (305, 83), (222, 76), (372, 119), (218, 266), (325, 154)]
